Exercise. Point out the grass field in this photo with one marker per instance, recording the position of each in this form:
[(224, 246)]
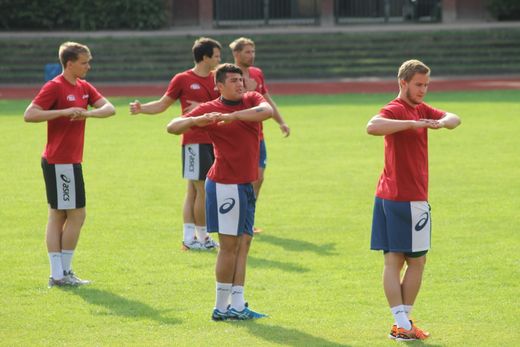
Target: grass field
[(311, 268)]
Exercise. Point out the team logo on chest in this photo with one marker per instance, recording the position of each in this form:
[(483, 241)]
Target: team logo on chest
[(71, 97), (195, 86)]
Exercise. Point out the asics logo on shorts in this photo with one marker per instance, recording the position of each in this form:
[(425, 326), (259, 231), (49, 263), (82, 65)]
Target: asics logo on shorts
[(227, 206), (422, 221), (191, 159), (65, 186)]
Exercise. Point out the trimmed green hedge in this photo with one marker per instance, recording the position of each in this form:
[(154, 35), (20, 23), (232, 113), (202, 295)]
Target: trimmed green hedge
[(82, 14), (505, 9)]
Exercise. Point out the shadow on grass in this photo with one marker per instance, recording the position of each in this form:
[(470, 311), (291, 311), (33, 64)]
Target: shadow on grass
[(299, 245), (273, 264), (286, 336), (120, 306)]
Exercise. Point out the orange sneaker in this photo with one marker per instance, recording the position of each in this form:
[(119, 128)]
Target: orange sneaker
[(415, 333), (393, 332)]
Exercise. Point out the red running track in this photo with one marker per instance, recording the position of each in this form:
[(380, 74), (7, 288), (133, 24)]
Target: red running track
[(293, 88)]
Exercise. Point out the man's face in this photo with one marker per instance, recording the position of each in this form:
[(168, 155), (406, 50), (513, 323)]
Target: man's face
[(245, 57), (80, 67), (416, 89), (233, 87), (215, 59)]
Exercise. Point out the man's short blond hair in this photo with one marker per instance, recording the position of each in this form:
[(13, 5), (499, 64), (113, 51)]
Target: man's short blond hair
[(70, 51), (410, 67), (239, 44)]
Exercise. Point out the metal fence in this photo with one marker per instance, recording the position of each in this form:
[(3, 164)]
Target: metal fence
[(362, 11), (265, 12)]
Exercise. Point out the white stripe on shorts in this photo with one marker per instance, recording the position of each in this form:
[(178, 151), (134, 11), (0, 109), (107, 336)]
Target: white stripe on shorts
[(228, 205), (65, 186), (421, 225), (192, 162)]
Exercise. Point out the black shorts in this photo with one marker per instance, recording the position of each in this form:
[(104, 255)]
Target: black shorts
[(64, 185), (196, 161)]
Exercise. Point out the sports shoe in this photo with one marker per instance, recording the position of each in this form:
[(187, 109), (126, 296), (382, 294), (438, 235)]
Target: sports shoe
[(245, 314), (192, 245), (393, 332), (73, 280), (414, 333), (57, 283), (209, 243), (219, 316)]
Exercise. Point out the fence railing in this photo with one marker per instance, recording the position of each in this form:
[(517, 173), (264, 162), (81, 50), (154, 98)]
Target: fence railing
[(265, 12)]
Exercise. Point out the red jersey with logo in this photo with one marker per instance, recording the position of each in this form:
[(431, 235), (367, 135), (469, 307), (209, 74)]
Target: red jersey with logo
[(236, 144), (405, 176), (65, 138), (259, 83), (189, 86)]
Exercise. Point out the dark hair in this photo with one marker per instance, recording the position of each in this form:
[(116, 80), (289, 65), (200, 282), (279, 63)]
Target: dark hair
[(204, 47), (69, 51), (223, 69)]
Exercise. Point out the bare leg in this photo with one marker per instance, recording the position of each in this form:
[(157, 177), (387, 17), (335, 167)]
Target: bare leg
[(241, 263), (189, 201), (226, 258), (258, 183), (72, 228), (54, 231), (412, 279), (199, 203), (391, 278)]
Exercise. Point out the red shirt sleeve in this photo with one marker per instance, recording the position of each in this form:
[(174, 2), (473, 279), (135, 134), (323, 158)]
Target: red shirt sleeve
[(175, 87), (431, 113), (94, 94), (47, 96)]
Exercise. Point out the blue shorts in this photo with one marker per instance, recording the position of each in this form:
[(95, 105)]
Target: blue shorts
[(401, 226), (263, 155), (230, 208)]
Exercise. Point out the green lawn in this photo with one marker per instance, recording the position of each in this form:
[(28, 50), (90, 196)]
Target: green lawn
[(311, 269)]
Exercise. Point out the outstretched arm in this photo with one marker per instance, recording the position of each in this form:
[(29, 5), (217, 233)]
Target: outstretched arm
[(380, 125), (286, 131), (180, 125), (449, 121), (36, 114), (152, 107)]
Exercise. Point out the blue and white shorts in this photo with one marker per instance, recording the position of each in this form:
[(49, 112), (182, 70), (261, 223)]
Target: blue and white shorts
[(263, 155), (230, 208), (401, 226)]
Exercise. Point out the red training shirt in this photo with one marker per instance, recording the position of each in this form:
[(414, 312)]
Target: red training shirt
[(236, 144), (65, 138), (189, 86), (405, 176), (257, 75)]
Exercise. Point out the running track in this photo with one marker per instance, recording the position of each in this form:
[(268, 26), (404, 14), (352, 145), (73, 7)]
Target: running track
[(294, 88)]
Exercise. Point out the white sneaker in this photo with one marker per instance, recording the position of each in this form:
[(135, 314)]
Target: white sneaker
[(209, 243), (72, 280), (192, 245)]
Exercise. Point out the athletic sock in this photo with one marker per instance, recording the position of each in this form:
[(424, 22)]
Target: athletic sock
[(201, 232), (223, 294), (66, 259), (189, 232), (56, 267), (237, 298), (408, 310), (400, 317)]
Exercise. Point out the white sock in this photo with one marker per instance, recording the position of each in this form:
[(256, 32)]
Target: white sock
[(223, 293), (400, 317), (56, 267), (201, 232), (66, 259), (407, 310), (189, 232), (237, 298)]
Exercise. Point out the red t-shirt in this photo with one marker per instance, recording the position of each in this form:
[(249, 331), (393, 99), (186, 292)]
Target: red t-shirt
[(236, 144), (258, 76), (189, 86), (65, 138), (405, 176)]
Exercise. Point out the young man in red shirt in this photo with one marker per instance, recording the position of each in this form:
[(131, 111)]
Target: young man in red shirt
[(192, 87), (63, 103), (233, 124), (401, 225), (243, 50)]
